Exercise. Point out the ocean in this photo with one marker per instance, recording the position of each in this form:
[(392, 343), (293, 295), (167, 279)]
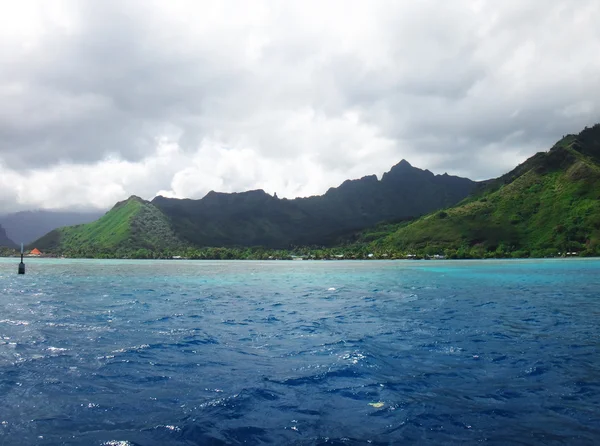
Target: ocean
[(97, 352)]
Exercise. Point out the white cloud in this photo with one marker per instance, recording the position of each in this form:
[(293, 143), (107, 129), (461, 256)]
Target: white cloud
[(101, 100)]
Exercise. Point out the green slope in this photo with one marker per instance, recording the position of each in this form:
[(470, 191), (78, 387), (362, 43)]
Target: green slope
[(131, 225), (548, 204)]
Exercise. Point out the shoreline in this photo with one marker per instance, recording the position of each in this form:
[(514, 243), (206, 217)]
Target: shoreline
[(410, 260)]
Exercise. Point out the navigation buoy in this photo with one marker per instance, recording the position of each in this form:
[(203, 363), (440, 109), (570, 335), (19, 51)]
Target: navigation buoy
[(21, 265)]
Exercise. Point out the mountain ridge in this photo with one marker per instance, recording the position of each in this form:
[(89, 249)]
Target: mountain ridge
[(255, 218), (276, 223)]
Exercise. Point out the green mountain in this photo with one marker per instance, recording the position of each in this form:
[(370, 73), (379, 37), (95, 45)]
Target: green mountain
[(548, 204), (131, 225), (256, 218)]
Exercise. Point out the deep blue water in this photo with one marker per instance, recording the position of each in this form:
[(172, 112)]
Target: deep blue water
[(183, 353)]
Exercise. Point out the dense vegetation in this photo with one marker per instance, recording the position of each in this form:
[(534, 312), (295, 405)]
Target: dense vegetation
[(132, 228), (548, 206), (8, 252)]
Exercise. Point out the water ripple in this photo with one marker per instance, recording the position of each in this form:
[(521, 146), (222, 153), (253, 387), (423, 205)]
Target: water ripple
[(333, 353)]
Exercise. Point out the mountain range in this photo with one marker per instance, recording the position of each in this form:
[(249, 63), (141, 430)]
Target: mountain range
[(255, 218), (548, 205)]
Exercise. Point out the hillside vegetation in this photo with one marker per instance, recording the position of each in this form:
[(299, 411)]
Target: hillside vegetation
[(131, 226), (548, 205)]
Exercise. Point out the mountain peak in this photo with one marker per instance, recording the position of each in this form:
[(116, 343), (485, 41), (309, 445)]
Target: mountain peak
[(132, 198), (405, 171), (534, 210), (404, 166)]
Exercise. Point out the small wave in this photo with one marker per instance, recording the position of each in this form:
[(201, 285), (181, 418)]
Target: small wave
[(346, 372), (57, 349), (83, 327), (11, 322), (536, 370), (218, 401), (169, 427), (135, 348), (354, 357)]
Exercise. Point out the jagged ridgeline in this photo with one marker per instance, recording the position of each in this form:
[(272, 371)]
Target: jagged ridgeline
[(548, 204), (256, 218), (131, 225)]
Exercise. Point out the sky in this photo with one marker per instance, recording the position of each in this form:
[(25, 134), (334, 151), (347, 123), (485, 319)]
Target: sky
[(100, 100)]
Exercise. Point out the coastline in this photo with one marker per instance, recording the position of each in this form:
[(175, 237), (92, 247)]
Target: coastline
[(287, 260)]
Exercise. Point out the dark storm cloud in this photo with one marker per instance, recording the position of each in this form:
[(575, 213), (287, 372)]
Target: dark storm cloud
[(113, 86)]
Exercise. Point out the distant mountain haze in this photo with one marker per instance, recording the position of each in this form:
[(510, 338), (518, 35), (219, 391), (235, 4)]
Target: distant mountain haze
[(5, 241), (27, 226)]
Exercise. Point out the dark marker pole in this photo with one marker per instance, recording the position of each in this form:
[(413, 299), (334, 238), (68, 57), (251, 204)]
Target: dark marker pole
[(21, 265)]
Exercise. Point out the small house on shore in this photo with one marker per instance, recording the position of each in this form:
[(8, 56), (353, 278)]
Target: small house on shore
[(35, 252)]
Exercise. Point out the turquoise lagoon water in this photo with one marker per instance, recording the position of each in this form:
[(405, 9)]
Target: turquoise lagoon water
[(376, 352)]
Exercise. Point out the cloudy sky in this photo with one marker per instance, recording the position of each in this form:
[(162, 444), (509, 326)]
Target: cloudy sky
[(103, 99)]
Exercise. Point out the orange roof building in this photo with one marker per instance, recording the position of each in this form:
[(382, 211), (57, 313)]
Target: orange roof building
[(35, 252)]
